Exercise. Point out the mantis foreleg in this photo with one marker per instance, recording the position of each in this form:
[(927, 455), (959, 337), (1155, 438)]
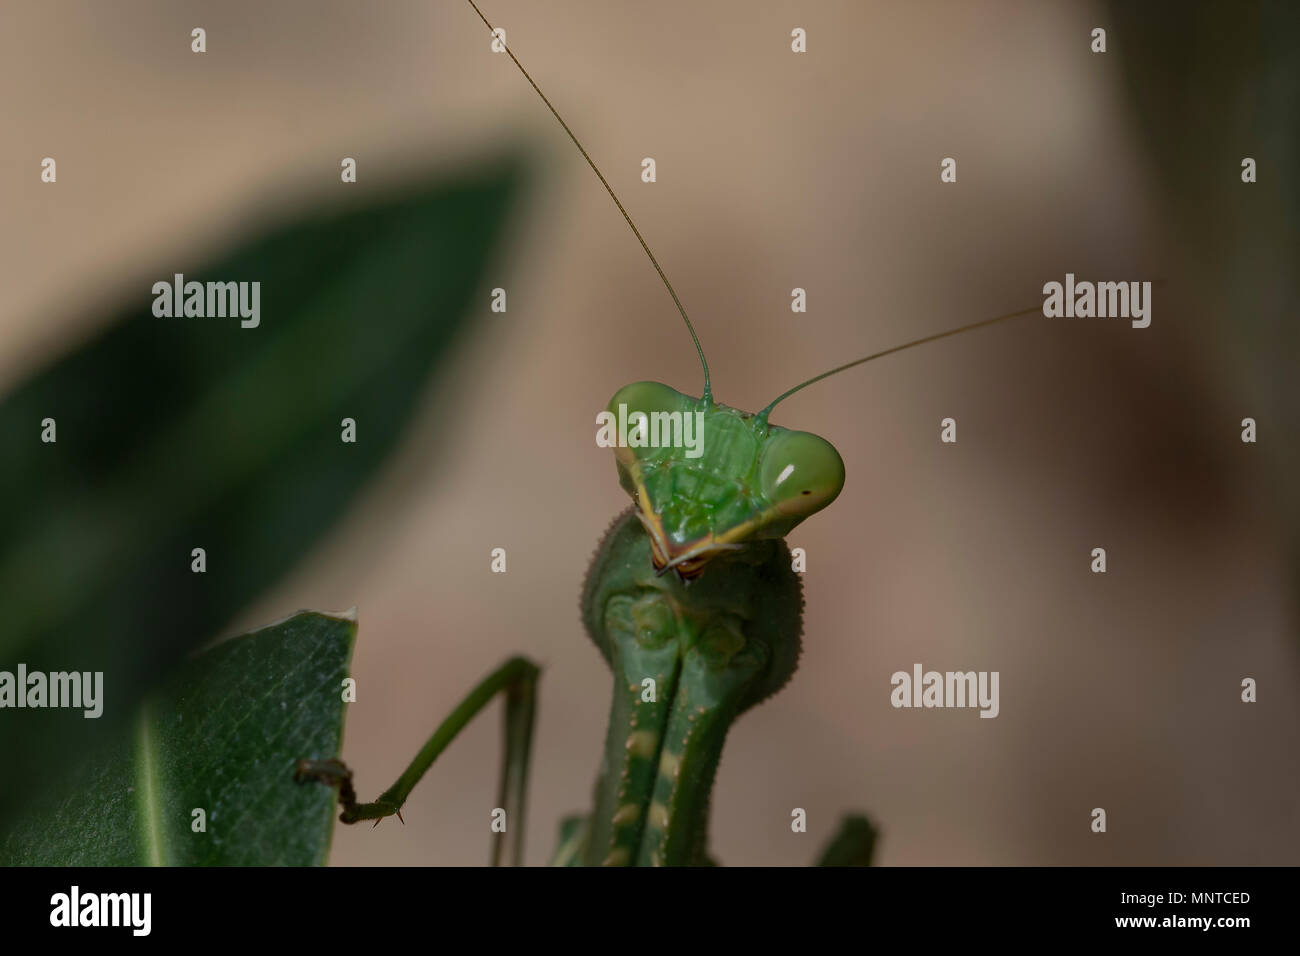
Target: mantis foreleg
[(574, 831), (517, 678)]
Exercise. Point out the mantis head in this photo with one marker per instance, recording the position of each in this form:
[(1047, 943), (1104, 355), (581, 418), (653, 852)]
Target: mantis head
[(706, 478), (729, 477)]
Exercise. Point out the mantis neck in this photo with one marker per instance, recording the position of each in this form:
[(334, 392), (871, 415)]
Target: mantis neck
[(687, 660)]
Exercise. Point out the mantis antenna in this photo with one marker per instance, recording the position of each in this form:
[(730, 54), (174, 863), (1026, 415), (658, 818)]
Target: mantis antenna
[(708, 393), (897, 348), (907, 345)]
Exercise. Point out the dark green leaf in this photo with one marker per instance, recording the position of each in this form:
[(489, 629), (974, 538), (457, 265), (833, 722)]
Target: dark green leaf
[(178, 433), (224, 735)]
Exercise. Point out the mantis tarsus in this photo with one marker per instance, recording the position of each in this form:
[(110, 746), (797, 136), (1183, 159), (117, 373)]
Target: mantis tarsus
[(692, 600)]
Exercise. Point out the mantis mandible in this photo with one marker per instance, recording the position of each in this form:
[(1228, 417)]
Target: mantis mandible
[(693, 602)]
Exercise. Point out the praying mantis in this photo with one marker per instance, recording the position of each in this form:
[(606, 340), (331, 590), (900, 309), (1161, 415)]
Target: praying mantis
[(694, 603)]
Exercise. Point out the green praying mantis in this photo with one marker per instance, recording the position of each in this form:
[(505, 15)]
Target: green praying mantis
[(692, 600)]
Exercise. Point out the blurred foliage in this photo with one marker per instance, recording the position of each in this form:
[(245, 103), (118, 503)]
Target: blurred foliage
[(1210, 84), (223, 735), (177, 433), (854, 844)]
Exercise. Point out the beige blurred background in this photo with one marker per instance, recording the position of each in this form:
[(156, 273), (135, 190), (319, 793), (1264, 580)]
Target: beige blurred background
[(774, 171)]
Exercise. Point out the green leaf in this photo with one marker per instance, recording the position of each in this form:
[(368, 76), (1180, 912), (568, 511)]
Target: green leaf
[(224, 735), (183, 433)]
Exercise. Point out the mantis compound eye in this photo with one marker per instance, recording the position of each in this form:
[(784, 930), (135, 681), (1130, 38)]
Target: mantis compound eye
[(654, 418), (650, 397), (800, 473)]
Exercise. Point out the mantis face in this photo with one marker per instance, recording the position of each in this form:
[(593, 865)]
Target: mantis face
[(707, 478)]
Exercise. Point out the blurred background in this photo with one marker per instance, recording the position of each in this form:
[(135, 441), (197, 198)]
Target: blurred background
[(775, 171)]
